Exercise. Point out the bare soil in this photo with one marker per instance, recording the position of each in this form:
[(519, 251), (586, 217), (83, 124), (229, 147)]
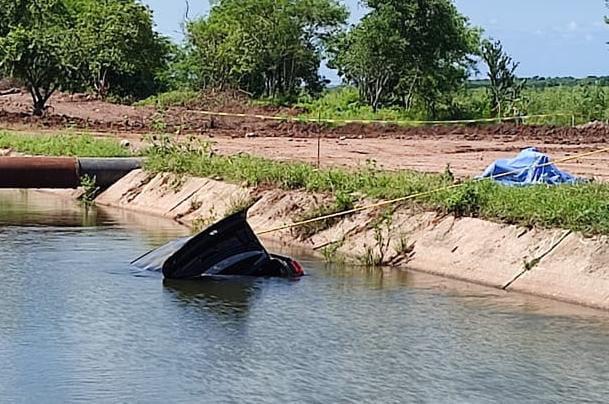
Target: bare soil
[(467, 149)]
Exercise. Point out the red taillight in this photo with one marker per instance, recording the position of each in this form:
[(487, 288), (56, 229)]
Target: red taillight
[(297, 268)]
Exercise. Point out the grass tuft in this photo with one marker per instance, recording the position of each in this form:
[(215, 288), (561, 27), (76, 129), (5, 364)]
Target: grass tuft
[(178, 98), (73, 145)]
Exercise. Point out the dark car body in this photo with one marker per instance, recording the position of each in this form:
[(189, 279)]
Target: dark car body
[(228, 248)]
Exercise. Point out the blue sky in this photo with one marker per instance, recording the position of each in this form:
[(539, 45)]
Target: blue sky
[(547, 37)]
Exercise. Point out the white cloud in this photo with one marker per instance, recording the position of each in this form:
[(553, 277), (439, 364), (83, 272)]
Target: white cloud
[(572, 26)]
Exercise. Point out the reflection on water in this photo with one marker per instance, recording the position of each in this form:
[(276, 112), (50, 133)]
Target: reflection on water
[(228, 297), (21, 208), (79, 325)]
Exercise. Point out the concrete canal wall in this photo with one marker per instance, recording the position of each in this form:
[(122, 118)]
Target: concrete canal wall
[(550, 263)]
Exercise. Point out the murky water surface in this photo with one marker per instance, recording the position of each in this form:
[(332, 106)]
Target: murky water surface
[(77, 324)]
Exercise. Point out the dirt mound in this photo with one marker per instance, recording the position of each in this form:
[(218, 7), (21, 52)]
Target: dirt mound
[(502, 132), (235, 102), (593, 125), (8, 84), (84, 112)]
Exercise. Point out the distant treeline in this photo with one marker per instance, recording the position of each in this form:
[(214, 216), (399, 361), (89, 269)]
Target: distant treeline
[(543, 82)]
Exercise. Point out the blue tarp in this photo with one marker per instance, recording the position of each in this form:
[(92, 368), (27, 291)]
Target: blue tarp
[(528, 168)]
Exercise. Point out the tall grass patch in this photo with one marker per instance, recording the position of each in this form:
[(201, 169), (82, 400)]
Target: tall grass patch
[(76, 145)]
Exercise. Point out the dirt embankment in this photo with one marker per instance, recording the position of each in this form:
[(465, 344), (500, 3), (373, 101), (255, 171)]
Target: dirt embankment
[(550, 263), (81, 112), (467, 149)]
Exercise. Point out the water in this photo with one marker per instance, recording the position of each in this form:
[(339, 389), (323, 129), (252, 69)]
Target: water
[(77, 324)]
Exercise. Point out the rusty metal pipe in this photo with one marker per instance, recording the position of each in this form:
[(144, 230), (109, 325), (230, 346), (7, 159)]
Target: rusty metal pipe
[(39, 172), (63, 172)]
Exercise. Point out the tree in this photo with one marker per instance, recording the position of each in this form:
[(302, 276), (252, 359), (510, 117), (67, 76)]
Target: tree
[(266, 47), (366, 57), (404, 50), (505, 89), (106, 45), (35, 45), (119, 51)]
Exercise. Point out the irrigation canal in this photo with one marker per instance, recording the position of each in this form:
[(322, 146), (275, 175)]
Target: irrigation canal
[(79, 325)]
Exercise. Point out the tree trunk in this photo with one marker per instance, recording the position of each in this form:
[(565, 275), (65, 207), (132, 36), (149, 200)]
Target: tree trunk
[(38, 101), (102, 87), (39, 107), (40, 98)]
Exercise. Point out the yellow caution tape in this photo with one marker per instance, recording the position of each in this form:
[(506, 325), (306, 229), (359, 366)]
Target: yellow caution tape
[(372, 121)]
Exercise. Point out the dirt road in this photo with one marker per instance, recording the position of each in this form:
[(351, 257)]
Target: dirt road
[(466, 158), (468, 149)]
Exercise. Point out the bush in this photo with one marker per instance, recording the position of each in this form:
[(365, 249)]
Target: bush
[(77, 145), (464, 201), (176, 98)]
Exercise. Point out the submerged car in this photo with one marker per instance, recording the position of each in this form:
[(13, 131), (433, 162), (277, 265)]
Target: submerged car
[(228, 248)]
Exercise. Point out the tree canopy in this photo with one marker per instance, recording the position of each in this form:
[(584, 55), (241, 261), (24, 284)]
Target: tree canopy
[(36, 43), (119, 50), (414, 54), (107, 45), (407, 50), (265, 47)]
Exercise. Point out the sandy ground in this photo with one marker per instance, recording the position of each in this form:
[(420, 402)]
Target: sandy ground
[(466, 158), (468, 150), (78, 106)]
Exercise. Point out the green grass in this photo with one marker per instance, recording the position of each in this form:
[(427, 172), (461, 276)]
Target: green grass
[(343, 103), (582, 208), (177, 98), (585, 102), (342, 202), (77, 145)]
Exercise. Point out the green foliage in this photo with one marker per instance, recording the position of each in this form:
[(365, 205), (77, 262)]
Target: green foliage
[(546, 82), (504, 87), (265, 47), (586, 103), (79, 145), (583, 207), (90, 190), (370, 258), (402, 246), (343, 103), (376, 256), (36, 45), (118, 50), (342, 203), (239, 204), (407, 51), (331, 252), (181, 70), (176, 98), (108, 45), (464, 201)]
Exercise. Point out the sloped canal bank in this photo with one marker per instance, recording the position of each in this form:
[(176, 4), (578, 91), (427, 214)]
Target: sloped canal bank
[(79, 325), (555, 263)]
